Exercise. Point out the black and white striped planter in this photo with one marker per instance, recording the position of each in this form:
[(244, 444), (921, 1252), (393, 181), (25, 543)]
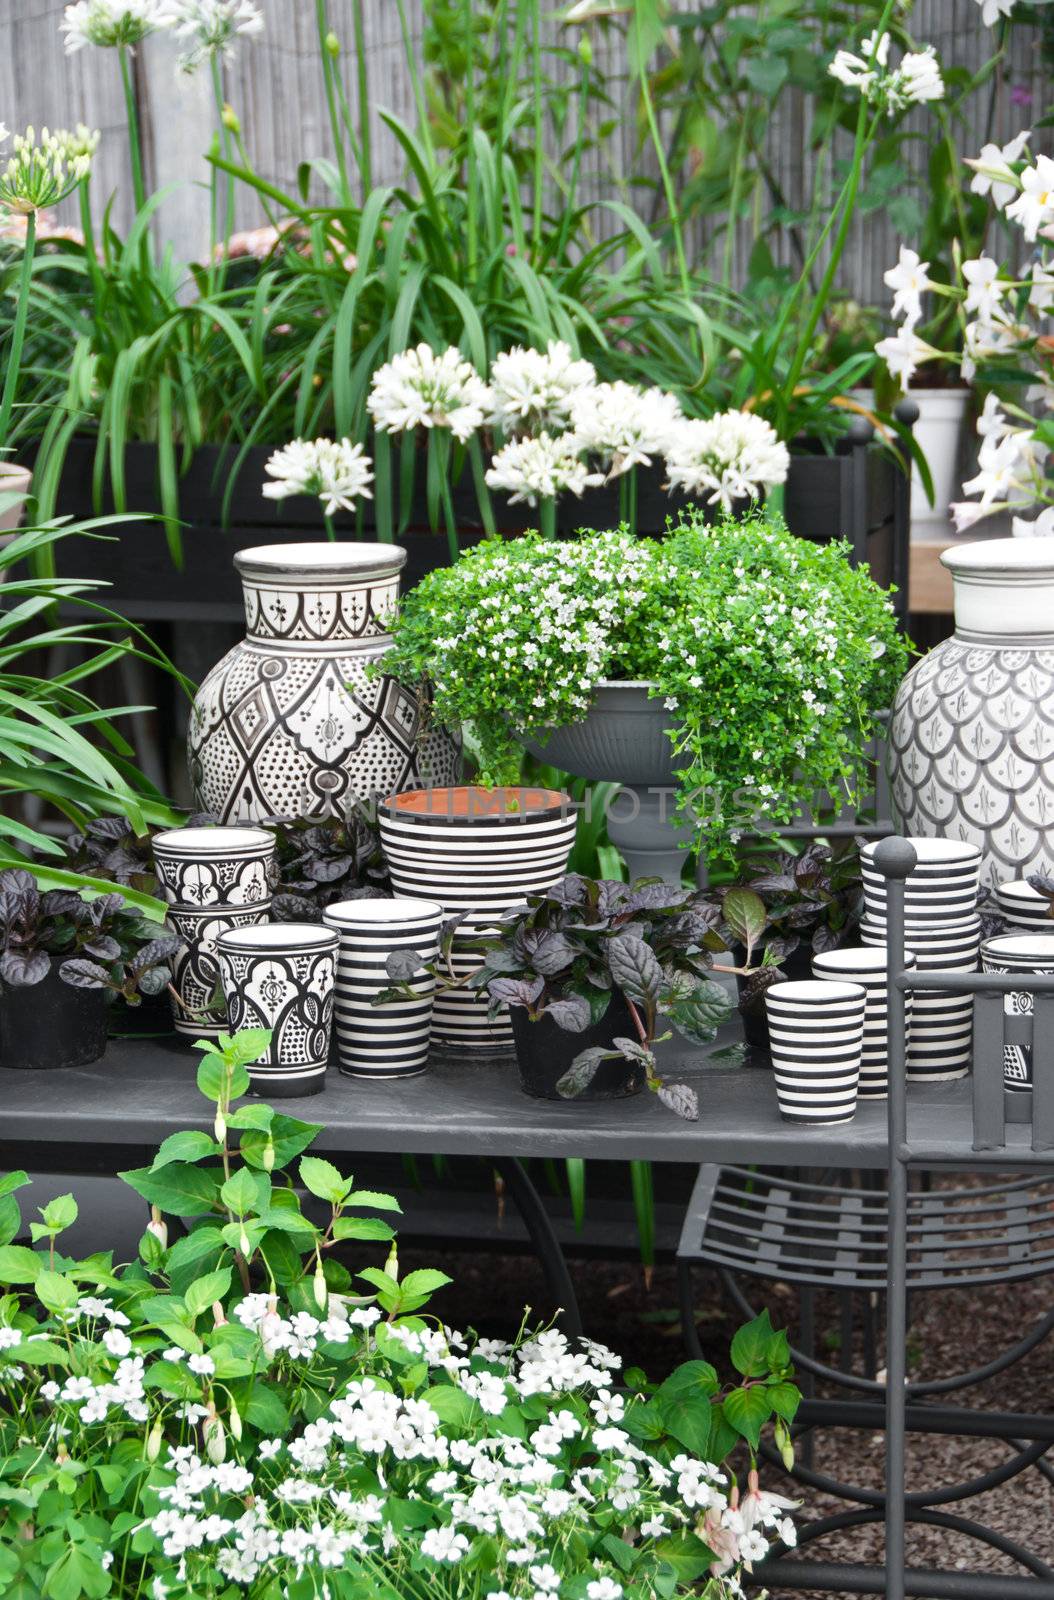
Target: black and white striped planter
[(391, 1040), (281, 976), (1018, 952), (480, 852), (199, 868), (200, 1012), (867, 967), (942, 887), (816, 1036), (1024, 906)]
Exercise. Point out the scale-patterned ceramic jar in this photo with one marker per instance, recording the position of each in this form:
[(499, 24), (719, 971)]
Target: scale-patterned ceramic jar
[(291, 723), (972, 734)]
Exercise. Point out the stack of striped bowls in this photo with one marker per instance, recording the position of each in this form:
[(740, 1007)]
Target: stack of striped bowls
[(943, 930), (1024, 906), (479, 852)]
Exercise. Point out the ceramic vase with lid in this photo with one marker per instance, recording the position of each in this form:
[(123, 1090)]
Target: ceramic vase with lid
[(294, 722), (971, 745)]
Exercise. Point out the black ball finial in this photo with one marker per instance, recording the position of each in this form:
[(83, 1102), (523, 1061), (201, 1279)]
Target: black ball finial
[(907, 411), (895, 858)]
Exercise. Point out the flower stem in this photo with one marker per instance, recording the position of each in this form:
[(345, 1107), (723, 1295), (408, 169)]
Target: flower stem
[(135, 147), (18, 332), (547, 516)]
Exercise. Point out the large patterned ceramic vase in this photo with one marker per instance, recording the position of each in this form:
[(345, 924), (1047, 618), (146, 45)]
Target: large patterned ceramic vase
[(291, 723), (972, 734)]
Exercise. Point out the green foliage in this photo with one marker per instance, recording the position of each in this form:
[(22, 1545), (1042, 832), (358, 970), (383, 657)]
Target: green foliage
[(242, 1386), (772, 654)]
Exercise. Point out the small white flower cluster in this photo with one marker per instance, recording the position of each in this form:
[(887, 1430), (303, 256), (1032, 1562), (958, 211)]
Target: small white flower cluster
[(1011, 459), (726, 458), (337, 1492), (211, 27), (110, 23), (44, 171), (337, 471), (915, 79)]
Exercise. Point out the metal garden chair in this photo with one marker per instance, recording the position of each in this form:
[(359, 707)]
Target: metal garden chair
[(865, 1238)]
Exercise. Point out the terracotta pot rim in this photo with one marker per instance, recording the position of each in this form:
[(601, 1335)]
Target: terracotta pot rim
[(454, 803)]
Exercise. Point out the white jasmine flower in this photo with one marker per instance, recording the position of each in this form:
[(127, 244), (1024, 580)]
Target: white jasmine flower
[(903, 351), (337, 471), (539, 469), (732, 456), (111, 22), (1041, 287), (202, 1365), (917, 79), (985, 289), (908, 278), (1041, 527), (534, 389), (623, 425), (992, 170), (420, 389), (1034, 206), (861, 71), (211, 26), (992, 10)]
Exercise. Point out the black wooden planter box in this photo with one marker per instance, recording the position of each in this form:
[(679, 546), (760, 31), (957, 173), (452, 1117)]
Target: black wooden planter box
[(858, 493)]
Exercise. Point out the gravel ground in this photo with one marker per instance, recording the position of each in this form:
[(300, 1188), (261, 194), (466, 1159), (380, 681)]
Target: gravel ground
[(951, 1331)]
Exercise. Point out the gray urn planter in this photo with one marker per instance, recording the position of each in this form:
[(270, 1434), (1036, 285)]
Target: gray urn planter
[(624, 738)]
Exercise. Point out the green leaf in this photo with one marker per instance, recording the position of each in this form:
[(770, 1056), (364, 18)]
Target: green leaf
[(213, 1075), (12, 1181), (426, 1280), (746, 916), (60, 1213), (368, 1229), (784, 1399), (55, 1292), (288, 1136), (204, 1292), (701, 1013), (240, 1193), (687, 1555), (372, 1200), (265, 1410), (750, 1347), (78, 1571), (180, 1189), (186, 1258), (19, 1265), (451, 1404), (747, 1410), (190, 1145), (322, 1178)]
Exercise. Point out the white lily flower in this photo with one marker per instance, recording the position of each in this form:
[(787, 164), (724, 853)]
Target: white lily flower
[(993, 172), (1034, 206), (910, 282)]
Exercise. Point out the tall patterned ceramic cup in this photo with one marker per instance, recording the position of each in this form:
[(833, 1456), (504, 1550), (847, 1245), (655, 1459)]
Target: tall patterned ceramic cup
[(281, 976)]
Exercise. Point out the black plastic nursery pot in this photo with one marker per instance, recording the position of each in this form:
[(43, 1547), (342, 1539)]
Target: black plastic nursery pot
[(545, 1052), (51, 1024), (858, 492)]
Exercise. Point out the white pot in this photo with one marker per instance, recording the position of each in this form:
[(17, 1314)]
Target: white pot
[(939, 435), (971, 745), (13, 480)]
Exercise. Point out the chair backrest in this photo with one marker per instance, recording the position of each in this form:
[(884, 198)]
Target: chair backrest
[(993, 1108)]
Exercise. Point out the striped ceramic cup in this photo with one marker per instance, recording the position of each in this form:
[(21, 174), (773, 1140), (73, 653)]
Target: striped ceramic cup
[(391, 1040), (816, 1036)]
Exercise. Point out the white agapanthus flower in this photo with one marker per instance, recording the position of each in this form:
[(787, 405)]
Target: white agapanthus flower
[(530, 470), (992, 172), (1034, 206), (111, 22), (211, 26), (419, 389), (336, 471), (909, 281), (42, 171), (534, 389), (624, 426), (992, 10), (732, 456)]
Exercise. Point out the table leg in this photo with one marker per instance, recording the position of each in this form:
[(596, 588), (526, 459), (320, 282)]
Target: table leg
[(546, 1244)]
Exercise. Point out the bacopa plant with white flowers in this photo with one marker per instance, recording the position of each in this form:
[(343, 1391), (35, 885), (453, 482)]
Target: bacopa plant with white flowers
[(240, 1413), (772, 654), (1004, 309)]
